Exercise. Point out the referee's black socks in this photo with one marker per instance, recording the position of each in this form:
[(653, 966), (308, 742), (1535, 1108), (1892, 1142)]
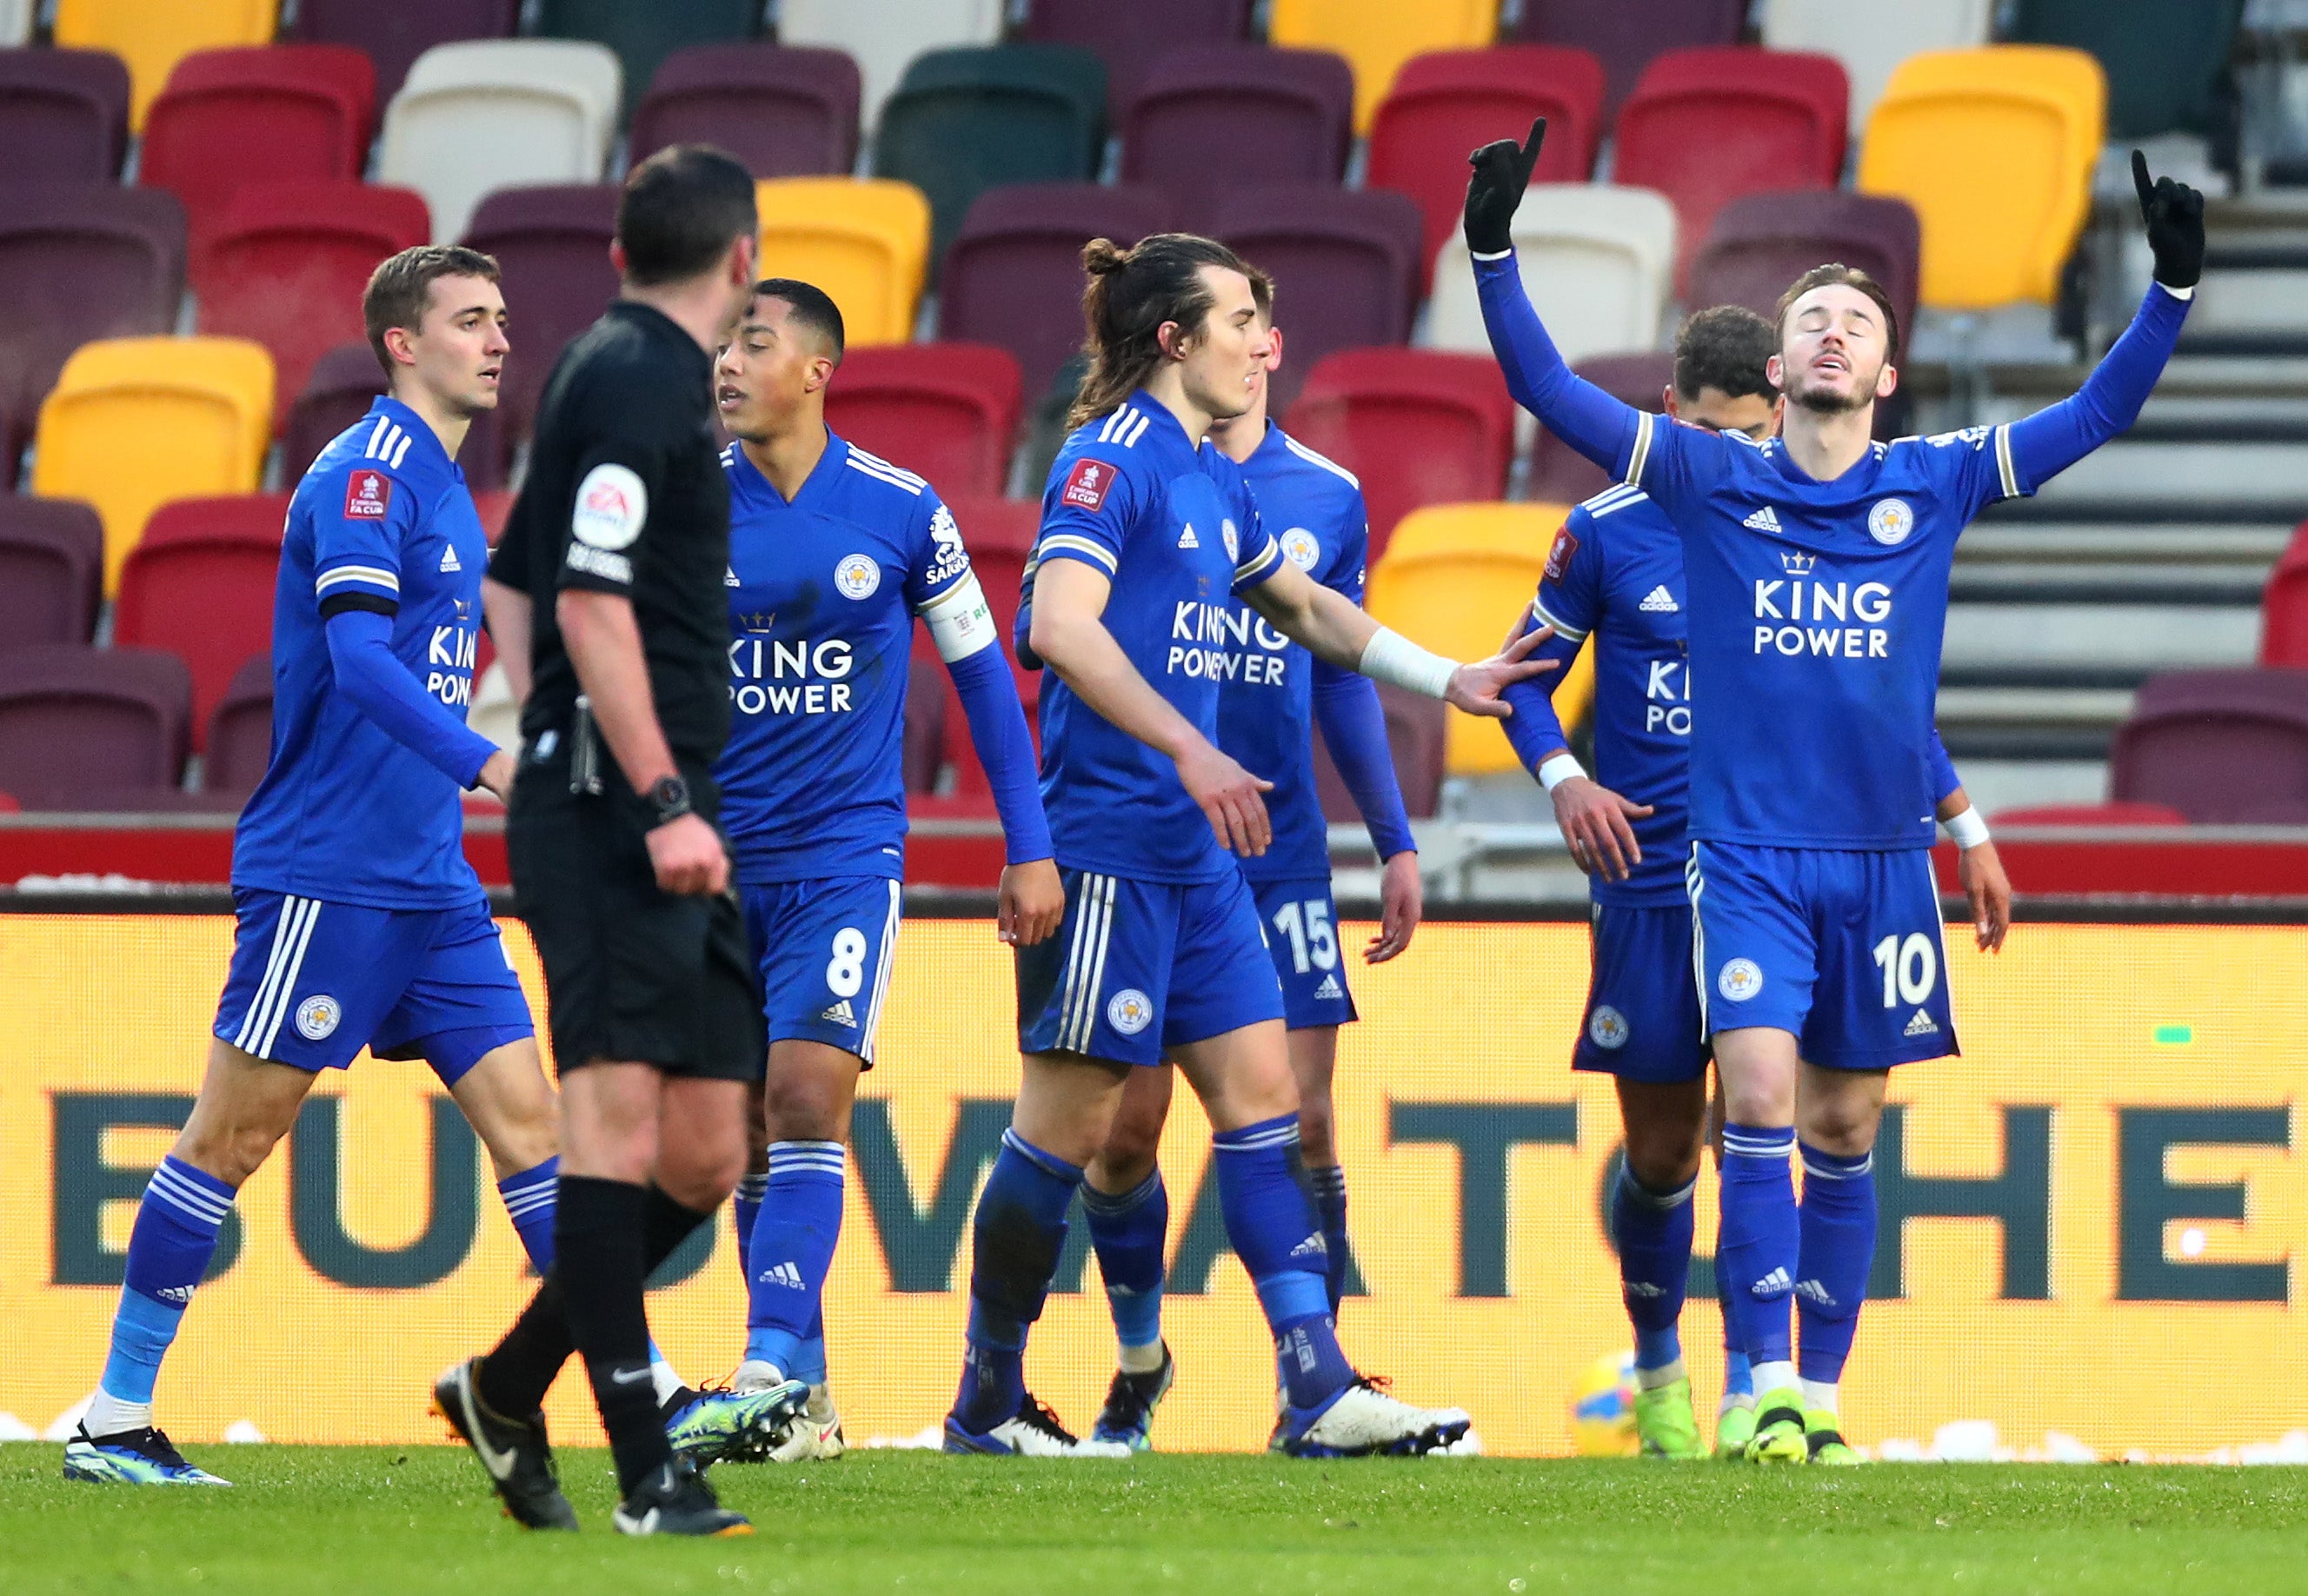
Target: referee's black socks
[(602, 1260)]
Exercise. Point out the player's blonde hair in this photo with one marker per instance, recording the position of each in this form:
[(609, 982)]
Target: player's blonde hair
[(1133, 294)]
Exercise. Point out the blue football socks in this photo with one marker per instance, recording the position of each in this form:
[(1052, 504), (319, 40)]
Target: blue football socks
[(168, 1252), (792, 1242), (1330, 1184), (1275, 1232), (529, 1199), (1654, 1232), (1015, 1240), (1758, 1255), (1129, 1231), (1838, 1249)]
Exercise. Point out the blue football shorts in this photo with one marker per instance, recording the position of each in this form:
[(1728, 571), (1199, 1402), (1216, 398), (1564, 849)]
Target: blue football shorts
[(1643, 1019), (824, 948), (1300, 919), (1841, 948), (1140, 966), (312, 983)]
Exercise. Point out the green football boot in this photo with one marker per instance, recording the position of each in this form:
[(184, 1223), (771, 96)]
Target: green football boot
[(1778, 1435), (712, 1424), (1823, 1436), (1734, 1426), (1665, 1423)]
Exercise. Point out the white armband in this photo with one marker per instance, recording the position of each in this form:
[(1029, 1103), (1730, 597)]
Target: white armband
[(1392, 658), (1967, 831), (1562, 768), (961, 621)]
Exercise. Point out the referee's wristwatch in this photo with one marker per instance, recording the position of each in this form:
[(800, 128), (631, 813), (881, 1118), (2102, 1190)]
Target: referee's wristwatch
[(668, 799)]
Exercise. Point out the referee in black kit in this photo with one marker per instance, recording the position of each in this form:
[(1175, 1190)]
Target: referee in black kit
[(621, 539)]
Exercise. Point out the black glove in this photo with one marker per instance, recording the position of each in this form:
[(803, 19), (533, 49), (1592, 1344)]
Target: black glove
[(1501, 172), (2175, 214)]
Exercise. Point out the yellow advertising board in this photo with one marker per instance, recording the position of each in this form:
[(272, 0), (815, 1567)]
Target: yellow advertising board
[(2090, 1221)]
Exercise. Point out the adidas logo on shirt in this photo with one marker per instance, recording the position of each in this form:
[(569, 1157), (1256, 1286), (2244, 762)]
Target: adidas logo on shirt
[(783, 1274), (1186, 540), (1658, 602), (731, 581), (1774, 1284), (1921, 1025), (449, 561), (1330, 988), (1764, 519), (841, 1013)]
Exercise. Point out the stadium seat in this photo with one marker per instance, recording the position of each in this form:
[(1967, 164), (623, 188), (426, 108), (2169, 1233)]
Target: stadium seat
[(199, 412), (151, 36), (1454, 578), (2167, 61), (394, 35), (946, 412), (1995, 148), (2224, 747), (1705, 127), (1872, 36), (1129, 38), (80, 727), (1376, 37), (238, 740), (1761, 244), (1020, 253), (966, 120), (883, 37), (999, 534), (1209, 117), (64, 116), (78, 262), (785, 112), (1449, 102), (200, 586), (552, 244), (1345, 266), (344, 382), (1417, 426), (51, 571), (1598, 261), (292, 113), (16, 21), (1559, 473), (1606, 28), (2091, 815), (643, 36), (2283, 608), (498, 114), (1415, 730), (865, 242), (286, 264)]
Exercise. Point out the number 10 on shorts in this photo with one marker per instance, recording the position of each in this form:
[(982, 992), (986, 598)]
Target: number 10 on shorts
[(1911, 969)]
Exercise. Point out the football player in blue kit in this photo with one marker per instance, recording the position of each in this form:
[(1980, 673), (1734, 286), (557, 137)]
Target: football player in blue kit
[(833, 552), (1816, 566), (1273, 694), (1147, 532), (1616, 574)]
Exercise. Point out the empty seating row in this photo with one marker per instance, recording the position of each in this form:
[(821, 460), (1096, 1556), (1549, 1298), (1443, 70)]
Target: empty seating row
[(85, 728)]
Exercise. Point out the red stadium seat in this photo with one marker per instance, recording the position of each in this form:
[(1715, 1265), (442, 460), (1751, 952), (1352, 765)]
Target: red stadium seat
[(87, 727), (394, 35), (1417, 426), (999, 535), (2224, 747), (1128, 39), (1625, 44), (552, 242), (1415, 732), (51, 570), (1448, 102), (1705, 127), (343, 384), (239, 738), (301, 112), (2284, 609), (783, 110), (64, 116), (946, 412), (1560, 474), (1211, 116), (1760, 244), (2092, 814), (287, 264), (199, 585)]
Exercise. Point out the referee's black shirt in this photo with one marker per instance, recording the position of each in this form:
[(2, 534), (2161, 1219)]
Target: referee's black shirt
[(625, 494)]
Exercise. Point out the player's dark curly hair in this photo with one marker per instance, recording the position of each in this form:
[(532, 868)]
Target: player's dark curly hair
[(1133, 294), (1835, 274), (1726, 348)]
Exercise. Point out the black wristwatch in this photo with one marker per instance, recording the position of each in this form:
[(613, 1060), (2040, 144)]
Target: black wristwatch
[(668, 795)]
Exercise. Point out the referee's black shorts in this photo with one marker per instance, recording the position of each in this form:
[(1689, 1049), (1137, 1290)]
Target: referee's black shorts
[(632, 975)]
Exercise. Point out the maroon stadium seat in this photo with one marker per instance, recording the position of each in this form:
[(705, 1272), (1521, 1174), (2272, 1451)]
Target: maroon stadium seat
[(342, 383), (946, 412), (277, 113), (84, 728), (1019, 253), (1211, 116), (783, 110), (553, 244), (1415, 736), (64, 116), (2222, 746), (1129, 38), (240, 741), (1345, 267), (923, 739), (199, 585), (78, 262), (288, 263), (2091, 814), (2284, 608), (1761, 244), (1560, 474), (1449, 102), (51, 571), (1625, 44), (1707, 126), (1417, 425), (999, 535), (395, 34)]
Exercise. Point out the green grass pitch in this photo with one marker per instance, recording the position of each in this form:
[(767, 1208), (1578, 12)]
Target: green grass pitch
[(355, 1520)]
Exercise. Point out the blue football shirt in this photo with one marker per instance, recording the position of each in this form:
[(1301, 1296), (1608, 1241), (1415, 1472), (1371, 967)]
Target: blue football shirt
[(1174, 527), (346, 814), (823, 596)]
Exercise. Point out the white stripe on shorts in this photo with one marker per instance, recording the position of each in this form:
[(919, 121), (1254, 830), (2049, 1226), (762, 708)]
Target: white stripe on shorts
[(288, 989), (882, 974), (284, 934)]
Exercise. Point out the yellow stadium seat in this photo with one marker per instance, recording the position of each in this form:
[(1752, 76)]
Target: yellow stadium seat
[(866, 242), (153, 35), (1994, 149), (1376, 37), (1456, 578), (135, 422)]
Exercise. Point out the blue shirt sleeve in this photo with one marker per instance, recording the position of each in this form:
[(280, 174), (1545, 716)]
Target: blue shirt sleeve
[(361, 517), (379, 685), (937, 560), (1347, 709), (2050, 441), (1088, 509), (1944, 780), (1258, 554), (1570, 600), (998, 729)]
